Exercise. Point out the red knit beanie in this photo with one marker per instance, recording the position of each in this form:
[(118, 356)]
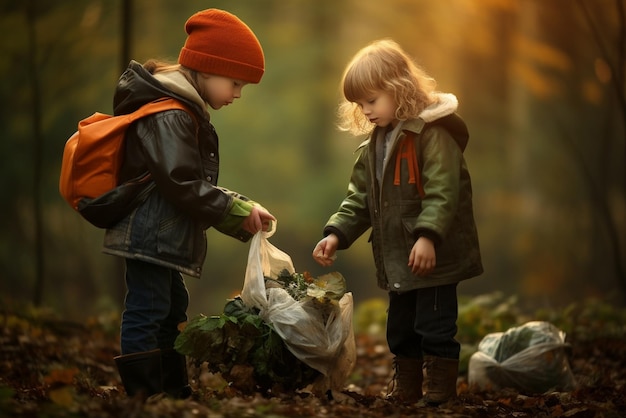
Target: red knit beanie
[(220, 43)]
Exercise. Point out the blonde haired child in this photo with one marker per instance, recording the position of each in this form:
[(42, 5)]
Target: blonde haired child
[(410, 185)]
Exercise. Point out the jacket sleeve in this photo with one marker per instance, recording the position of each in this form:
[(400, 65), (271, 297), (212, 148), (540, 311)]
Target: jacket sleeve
[(441, 163), (231, 224), (170, 149), (352, 218)]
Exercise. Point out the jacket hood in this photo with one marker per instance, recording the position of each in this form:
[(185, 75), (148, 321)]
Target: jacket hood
[(443, 113), (137, 86), (444, 105)]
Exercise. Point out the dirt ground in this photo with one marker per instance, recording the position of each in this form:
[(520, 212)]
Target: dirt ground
[(53, 368)]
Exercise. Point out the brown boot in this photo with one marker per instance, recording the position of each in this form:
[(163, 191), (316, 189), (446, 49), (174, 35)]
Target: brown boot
[(407, 380), (440, 376)]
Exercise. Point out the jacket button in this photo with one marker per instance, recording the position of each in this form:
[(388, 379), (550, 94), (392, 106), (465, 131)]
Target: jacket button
[(209, 178), (396, 285)]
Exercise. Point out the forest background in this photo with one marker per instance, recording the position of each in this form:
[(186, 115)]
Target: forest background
[(540, 85)]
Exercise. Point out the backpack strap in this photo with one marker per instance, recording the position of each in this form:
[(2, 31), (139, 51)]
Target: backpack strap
[(159, 105)]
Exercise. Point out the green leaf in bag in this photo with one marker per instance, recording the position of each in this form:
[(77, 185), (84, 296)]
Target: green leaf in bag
[(331, 286), (240, 337)]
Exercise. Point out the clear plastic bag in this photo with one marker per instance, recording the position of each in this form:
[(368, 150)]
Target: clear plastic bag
[(323, 341), (532, 358)]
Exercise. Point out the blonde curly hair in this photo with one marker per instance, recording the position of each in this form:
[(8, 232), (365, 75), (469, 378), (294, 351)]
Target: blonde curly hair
[(383, 66)]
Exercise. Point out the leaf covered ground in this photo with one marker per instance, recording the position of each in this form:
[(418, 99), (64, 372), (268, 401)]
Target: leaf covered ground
[(54, 368)]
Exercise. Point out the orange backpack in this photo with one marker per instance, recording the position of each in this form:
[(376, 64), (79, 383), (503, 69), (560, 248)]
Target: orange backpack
[(92, 159)]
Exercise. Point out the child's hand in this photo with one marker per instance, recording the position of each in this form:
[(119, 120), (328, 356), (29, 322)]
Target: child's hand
[(324, 251), (258, 220), (422, 259)]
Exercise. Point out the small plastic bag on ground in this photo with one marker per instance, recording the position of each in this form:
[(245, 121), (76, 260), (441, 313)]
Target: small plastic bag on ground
[(322, 340), (532, 358)]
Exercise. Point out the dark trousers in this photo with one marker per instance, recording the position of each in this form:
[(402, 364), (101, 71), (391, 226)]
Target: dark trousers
[(423, 322), (156, 302)]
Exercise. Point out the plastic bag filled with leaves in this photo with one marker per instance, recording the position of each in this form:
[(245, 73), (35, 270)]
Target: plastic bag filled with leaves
[(244, 349), (312, 316), (532, 358)]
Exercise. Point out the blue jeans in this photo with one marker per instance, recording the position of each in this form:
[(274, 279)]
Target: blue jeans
[(156, 302), (423, 322)]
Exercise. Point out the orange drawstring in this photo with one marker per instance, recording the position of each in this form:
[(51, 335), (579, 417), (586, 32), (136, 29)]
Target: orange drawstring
[(406, 151)]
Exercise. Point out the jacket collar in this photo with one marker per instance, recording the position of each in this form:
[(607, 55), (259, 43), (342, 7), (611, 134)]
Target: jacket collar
[(445, 104), (178, 83)]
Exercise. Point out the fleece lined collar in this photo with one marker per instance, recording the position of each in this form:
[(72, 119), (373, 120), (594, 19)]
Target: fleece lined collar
[(444, 105)]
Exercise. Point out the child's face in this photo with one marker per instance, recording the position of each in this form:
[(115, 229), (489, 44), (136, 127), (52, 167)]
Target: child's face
[(221, 91), (380, 108)]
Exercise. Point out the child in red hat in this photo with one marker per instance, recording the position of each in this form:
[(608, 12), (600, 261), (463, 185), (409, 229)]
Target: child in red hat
[(164, 235)]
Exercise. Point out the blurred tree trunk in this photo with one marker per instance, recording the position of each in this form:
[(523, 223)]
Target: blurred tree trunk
[(126, 43), (589, 120), (325, 19), (612, 49), (126, 35), (35, 88)]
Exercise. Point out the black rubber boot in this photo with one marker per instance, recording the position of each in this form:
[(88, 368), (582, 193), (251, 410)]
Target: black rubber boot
[(175, 378), (141, 373)]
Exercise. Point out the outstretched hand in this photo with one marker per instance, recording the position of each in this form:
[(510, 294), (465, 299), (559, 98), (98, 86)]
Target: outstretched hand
[(324, 251), (258, 220)]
